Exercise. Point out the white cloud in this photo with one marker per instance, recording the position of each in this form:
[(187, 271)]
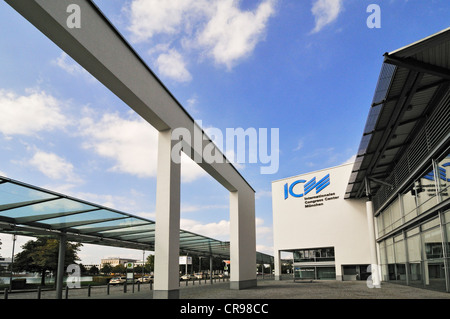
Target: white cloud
[(218, 230), (172, 65), (232, 34), (325, 12), (299, 145), (150, 17), (216, 28), (29, 114), (188, 208), (132, 144), (54, 166), (69, 65)]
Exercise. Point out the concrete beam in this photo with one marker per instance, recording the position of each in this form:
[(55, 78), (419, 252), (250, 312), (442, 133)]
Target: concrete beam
[(102, 51)]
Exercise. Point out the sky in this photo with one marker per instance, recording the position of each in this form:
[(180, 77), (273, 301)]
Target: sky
[(307, 68)]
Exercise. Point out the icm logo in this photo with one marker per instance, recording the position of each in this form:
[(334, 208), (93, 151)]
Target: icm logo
[(442, 173), (308, 187)]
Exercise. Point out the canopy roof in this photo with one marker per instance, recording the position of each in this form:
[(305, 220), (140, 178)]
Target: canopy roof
[(413, 82), (32, 211)]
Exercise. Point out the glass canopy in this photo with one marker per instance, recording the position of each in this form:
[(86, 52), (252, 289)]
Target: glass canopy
[(32, 211)]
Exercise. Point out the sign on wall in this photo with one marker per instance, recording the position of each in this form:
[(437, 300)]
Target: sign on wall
[(313, 193)]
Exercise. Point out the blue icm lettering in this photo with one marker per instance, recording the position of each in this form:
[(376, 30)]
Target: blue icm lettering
[(308, 187), (442, 174)]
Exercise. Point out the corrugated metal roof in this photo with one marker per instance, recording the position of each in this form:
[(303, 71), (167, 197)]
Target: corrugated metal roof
[(410, 78)]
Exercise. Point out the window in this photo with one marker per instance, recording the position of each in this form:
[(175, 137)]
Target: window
[(314, 255)]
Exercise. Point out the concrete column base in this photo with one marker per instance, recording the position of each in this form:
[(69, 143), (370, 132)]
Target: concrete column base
[(277, 277), (244, 284), (166, 294)]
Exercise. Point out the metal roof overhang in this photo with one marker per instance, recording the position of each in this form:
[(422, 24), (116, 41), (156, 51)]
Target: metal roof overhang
[(27, 210), (412, 80)]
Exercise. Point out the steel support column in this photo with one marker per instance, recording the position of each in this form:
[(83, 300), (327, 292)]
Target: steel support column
[(60, 269)]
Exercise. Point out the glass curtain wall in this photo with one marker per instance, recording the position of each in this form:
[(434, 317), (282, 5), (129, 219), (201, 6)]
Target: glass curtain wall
[(418, 255)]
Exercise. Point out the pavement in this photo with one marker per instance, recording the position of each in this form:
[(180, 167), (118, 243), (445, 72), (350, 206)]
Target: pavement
[(270, 299), (266, 289)]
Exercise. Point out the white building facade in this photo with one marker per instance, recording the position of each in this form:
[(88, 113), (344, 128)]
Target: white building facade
[(327, 234)]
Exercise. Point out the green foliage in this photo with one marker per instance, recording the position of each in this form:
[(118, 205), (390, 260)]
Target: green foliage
[(41, 255)]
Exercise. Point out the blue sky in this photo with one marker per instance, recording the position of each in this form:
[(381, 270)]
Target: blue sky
[(306, 67)]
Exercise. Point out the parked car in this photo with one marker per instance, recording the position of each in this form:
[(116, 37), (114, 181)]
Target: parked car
[(117, 280), (198, 275), (186, 277), (144, 279)]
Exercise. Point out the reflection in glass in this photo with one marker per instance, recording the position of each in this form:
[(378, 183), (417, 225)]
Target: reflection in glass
[(444, 177)]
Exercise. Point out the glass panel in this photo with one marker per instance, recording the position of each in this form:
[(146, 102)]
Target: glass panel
[(12, 193), (399, 247), (380, 225), (444, 177), (433, 243), (425, 188), (304, 273), (87, 217), (409, 204), (314, 255), (434, 263), (326, 273), (396, 214), (62, 205), (415, 274), (414, 248), (387, 218)]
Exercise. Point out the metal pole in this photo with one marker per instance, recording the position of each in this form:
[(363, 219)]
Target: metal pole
[(60, 269), (211, 269), (12, 262)]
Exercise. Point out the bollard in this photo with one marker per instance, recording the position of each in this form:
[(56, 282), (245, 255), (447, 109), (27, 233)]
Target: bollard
[(6, 293), (125, 287), (67, 292), (151, 285), (107, 288), (139, 286), (39, 292), (89, 290)]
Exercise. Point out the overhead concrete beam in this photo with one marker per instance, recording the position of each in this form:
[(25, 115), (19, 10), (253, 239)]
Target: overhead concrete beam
[(102, 51)]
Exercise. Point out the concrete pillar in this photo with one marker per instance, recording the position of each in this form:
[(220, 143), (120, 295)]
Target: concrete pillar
[(242, 239), (372, 244), (277, 264), (167, 231), (60, 269)]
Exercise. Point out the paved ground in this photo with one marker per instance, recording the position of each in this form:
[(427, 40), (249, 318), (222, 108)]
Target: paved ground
[(270, 299), (266, 289)]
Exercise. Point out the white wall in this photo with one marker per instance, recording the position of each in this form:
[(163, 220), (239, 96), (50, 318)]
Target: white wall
[(338, 222)]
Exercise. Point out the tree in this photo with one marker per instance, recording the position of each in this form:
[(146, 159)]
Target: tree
[(150, 263), (93, 270), (41, 255), (118, 269), (106, 269)]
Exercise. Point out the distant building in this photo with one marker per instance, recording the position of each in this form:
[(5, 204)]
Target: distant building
[(4, 262), (114, 261)]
